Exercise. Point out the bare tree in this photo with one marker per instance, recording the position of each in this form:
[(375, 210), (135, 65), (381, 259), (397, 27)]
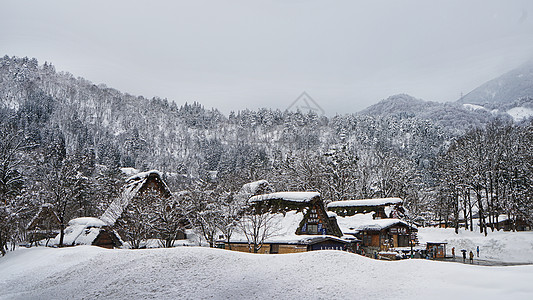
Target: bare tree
[(258, 226), (137, 221), (170, 219), (230, 209)]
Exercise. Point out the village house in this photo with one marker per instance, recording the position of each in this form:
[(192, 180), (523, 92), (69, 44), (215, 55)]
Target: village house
[(299, 223), (135, 188), (374, 221), (101, 231), (89, 231)]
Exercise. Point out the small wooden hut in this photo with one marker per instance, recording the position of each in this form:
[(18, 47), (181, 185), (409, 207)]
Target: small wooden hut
[(436, 249), (89, 231)]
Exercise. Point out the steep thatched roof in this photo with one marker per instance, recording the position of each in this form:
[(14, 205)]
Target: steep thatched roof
[(135, 185)]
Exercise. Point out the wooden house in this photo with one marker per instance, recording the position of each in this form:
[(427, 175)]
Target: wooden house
[(89, 231), (135, 190), (374, 222), (45, 225), (136, 186), (379, 235), (301, 224)]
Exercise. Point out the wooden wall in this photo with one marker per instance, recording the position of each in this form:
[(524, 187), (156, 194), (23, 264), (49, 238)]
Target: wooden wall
[(265, 249)]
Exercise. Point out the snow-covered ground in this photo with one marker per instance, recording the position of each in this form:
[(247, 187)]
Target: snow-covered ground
[(520, 113), (497, 245), (199, 273)]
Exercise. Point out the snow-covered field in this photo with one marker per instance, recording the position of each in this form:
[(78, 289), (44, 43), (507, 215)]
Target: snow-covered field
[(87, 272), (497, 245)]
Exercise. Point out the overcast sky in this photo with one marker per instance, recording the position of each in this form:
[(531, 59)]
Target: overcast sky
[(233, 55)]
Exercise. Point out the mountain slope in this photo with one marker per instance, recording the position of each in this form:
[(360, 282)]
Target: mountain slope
[(513, 85), (452, 116)]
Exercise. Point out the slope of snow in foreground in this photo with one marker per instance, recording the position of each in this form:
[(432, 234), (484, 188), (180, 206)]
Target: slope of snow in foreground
[(198, 273)]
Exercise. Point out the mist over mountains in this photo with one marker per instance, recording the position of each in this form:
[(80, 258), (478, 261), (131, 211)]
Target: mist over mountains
[(132, 131), (509, 87), (510, 96)]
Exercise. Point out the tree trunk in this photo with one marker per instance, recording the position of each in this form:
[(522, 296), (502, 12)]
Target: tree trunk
[(61, 233), (470, 211)]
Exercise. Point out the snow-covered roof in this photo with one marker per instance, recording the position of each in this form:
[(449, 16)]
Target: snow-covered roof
[(81, 231), (129, 171), (286, 196), (132, 187), (87, 221), (365, 222), (366, 202), (142, 175), (253, 187)]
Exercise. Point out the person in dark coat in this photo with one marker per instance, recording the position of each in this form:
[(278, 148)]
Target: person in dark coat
[(464, 255), (453, 252)]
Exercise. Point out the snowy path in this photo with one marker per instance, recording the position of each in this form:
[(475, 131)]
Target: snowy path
[(198, 273), (484, 262), (500, 246)]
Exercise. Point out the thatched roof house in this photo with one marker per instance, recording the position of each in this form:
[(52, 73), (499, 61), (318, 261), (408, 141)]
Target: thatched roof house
[(135, 187), (89, 231), (300, 223), (378, 234)]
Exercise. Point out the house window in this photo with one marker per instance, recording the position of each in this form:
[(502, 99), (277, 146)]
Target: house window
[(403, 241), (312, 229), (274, 248), (367, 240)]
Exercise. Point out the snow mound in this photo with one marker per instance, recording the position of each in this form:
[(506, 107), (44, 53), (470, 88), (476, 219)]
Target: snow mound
[(87, 272), (252, 188)]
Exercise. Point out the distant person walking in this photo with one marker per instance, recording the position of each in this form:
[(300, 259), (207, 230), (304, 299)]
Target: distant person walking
[(471, 257), (453, 252), (464, 255), (477, 251)]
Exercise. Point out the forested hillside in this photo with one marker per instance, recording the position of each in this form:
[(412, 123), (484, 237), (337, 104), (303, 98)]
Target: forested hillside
[(63, 140), (511, 86)]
